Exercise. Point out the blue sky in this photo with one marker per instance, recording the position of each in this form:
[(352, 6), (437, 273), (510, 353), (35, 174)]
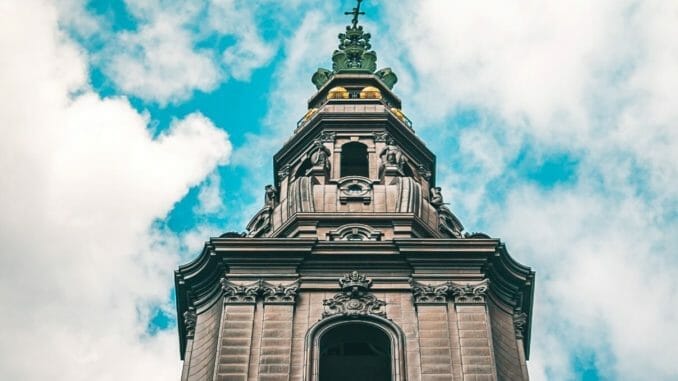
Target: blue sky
[(135, 130)]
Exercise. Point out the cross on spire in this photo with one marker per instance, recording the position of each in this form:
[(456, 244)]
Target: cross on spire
[(355, 12)]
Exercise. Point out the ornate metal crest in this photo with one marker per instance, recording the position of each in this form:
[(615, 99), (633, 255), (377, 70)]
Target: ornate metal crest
[(354, 298), (249, 293)]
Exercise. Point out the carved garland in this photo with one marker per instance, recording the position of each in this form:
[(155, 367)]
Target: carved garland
[(354, 299), (461, 293), (270, 293)]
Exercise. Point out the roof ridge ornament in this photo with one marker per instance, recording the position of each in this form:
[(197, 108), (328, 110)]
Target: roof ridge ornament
[(354, 55)]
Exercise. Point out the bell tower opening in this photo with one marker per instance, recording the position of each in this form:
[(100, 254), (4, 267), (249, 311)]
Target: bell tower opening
[(354, 160), (355, 351)]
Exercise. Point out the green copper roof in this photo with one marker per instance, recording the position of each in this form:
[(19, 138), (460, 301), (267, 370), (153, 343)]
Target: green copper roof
[(354, 55)]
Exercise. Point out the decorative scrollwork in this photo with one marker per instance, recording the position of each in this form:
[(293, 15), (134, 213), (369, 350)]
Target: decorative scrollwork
[(249, 293), (236, 293), (470, 293), (354, 298), (280, 294), (440, 294), (284, 172), (519, 323), (428, 294), (327, 136), (190, 319)]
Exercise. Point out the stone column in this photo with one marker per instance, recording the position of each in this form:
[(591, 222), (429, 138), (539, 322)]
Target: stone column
[(473, 326), (435, 346), (276, 336)]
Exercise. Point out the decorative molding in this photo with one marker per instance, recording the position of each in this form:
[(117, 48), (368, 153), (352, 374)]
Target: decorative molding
[(249, 293), (355, 188), (240, 294), (354, 299), (381, 136), (428, 294), (260, 223), (283, 172), (439, 294), (354, 232), (327, 136), (190, 319), (280, 294), (470, 293), (519, 323)]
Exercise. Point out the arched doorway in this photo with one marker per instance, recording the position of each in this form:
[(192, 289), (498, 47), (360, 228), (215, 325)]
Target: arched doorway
[(371, 340), (357, 352)]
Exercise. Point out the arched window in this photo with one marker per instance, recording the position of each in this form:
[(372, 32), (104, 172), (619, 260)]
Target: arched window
[(367, 349), (356, 352), (354, 161)]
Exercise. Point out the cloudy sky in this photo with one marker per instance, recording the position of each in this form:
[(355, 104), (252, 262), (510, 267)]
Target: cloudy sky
[(134, 130)]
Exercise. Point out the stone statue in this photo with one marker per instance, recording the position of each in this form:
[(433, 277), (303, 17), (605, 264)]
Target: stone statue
[(319, 155), (436, 197), (270, 195), (391, 155)]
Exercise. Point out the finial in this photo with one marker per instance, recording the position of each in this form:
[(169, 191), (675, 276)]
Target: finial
[(354, 55), (355, 12)]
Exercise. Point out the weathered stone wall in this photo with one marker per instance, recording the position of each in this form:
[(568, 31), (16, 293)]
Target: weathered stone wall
[(506, 349), (201, 351)]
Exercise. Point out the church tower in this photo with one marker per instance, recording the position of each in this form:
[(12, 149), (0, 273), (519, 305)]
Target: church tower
[(354, 268)]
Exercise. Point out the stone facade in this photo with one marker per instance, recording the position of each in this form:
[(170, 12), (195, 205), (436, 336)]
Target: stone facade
[(354, 235)]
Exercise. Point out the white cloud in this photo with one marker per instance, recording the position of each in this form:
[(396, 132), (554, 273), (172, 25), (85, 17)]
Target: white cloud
[(166, 58), (159, 61), (594, 80), (83, 180)]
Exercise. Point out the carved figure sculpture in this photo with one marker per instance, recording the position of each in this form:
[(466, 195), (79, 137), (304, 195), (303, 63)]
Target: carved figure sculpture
[(392, 155), (436, 197), (319, 155), (270, 195)]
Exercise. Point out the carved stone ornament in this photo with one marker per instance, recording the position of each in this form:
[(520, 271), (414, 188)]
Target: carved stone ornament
[(280, 294), (283, 172), (519, 323), (250, 293), (436, 197), (327, 136), (319, 155), (470, 293), (354, 299), (270, 195), (381, 136), (355, 188), (424, 172), (240, 294), (391, 155), (190, 318), (428, 294), (354, 232), (260, 223), (440, 294)]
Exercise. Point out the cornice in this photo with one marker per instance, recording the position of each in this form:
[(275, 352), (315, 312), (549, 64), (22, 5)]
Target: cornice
[(425, 260)]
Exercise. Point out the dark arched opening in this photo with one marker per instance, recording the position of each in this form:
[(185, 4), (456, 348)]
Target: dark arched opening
[(355, 351), (354, 161)]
